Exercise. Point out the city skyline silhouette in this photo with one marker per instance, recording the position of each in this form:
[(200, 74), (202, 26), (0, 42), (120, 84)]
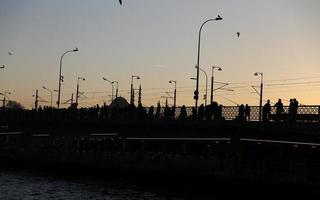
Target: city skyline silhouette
[(158, 42)]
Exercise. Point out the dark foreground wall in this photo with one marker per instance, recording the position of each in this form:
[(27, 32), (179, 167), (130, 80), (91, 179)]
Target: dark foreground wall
[(217, 157)]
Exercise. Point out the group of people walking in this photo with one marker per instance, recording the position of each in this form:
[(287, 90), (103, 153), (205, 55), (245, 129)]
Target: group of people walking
[(280, 114)]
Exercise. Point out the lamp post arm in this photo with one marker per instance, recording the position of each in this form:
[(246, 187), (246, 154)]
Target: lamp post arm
[(58, 102), (198, 61)]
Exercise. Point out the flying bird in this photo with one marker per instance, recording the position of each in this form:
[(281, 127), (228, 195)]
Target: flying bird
[(120, 1), (238, 34), (10, 54)]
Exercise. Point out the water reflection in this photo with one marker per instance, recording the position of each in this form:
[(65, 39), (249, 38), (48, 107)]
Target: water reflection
[(27, 185)]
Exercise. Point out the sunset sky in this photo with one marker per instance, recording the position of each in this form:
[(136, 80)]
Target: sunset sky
[(157, 40)]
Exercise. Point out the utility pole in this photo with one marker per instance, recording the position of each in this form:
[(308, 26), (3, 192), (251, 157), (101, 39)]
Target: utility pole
[(36, 103), (4, 98), (174, 93), (132, 89), (261, 90), (71, 100), (117, 88), (60, 76), (212, 81), (196, 92), (77, 92), (132, 97)]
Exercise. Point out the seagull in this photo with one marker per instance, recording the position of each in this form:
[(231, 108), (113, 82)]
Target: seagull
[(10, 54), (120, 1), (238, 34)]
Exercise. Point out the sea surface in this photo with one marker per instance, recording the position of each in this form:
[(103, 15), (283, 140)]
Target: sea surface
[(29, 184), (23, 184)]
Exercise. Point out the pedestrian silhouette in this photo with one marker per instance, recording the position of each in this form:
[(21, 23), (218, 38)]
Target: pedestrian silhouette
[(242, 113), (150, 113), (247, 112), (238, 34), (183, 113), (201, 112), (290, 112), (295, 109), (266, 111), (279, 109), (158, 111)]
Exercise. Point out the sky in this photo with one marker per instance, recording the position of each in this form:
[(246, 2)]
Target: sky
[(157, 40)]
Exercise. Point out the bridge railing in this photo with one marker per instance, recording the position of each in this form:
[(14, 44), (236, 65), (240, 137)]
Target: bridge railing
[(228, 113)]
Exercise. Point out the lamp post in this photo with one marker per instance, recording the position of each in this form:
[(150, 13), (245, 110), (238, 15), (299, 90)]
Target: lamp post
[(60, 77), (77, 93), (206, 95), (117, 88), (261, 90), (4, 98), (50, 94), (111, 82), (196, 92), (212, 81), (175, 92), (132, 92)]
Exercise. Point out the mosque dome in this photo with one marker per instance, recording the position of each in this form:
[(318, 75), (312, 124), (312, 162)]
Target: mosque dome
[(119, 102)]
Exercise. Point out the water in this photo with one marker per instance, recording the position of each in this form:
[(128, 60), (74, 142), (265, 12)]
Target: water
[(27, 184), (30, 185)]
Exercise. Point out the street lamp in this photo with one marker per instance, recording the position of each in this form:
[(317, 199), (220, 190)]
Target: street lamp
[(196, 92), (212, 81), (206, 95), (50, 94), (111, 82), (175, 92), (117, 88), (60, 77), (261, 89), (132, 92), (4, 98), (77, 93)]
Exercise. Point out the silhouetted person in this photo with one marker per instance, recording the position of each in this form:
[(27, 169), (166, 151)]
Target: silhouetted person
[(247, 112), (215, 110), (194, 113), (266, 111), (142, 113), (167, 113), (183, 113), (208, 112), (279, 109), (150, 113), (158, 111), (291, 110), (201, 112), (173, 112), (242, 113), (219, 113), (295, 109)]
